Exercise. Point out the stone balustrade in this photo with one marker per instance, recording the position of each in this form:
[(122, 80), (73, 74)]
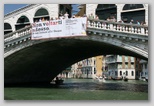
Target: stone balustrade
[(17, 34), (98, 24), (21, 38), (117, 26)]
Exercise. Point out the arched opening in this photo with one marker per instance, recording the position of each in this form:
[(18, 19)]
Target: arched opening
[(135, 12), (40, 14), (63, 8), (22, 22), (55, 56), (7, 28), (105, 11)]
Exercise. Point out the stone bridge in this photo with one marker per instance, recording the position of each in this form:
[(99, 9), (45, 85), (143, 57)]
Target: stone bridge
[(28, 61)]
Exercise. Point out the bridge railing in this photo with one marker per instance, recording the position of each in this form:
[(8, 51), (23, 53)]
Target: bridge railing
[(98, 24), (17, 34), (117, 26)]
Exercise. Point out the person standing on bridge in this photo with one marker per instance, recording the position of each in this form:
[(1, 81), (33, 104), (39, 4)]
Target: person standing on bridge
[(113, 19), (66, 15), (91, 16), (96, 17), (108, 19), (132, 21), (138, 22), (61, 16)]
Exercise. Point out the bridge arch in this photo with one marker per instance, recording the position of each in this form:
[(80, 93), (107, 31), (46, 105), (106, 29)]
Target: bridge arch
[(44, 60)]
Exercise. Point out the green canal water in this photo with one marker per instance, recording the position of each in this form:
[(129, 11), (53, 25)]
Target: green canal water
[(81, 89)]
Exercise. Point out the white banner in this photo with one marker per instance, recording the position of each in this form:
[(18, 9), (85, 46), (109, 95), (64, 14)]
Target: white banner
[(59, 28)]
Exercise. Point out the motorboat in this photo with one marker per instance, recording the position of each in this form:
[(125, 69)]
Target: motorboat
[(99, 79)]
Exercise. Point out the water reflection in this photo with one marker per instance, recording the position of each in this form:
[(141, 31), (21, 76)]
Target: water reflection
[(89, 84), (80, 89)]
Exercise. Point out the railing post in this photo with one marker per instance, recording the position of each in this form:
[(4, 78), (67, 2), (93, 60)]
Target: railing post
[(142, 30), (111, 26), (146, 31)]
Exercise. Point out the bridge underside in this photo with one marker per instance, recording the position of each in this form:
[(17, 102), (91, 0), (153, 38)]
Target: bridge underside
[(40, 63)]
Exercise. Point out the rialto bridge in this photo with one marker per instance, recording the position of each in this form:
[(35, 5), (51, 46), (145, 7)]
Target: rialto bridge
[(28, 61)]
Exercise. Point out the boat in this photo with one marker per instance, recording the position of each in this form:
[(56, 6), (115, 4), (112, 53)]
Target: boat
[(125, 79), (116, 78), (99, 79), (58, 82)]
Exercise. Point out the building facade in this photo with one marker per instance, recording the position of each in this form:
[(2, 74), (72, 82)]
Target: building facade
[(120, 66), (76, 70), (144, 73), (138, 68), (92, 67), (88, 67)]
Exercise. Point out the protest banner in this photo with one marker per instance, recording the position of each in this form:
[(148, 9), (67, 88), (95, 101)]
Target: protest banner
[(59, 28)]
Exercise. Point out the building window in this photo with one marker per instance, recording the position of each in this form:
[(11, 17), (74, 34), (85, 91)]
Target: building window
[(120, 58), (132, 73), (141, 73), (126, 73), (120, 72), (136, 73), (116, 73), (132, 59), (145, 66), (126, 58)]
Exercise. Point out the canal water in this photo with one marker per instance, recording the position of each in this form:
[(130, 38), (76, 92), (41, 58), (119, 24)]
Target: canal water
[(81, 89)]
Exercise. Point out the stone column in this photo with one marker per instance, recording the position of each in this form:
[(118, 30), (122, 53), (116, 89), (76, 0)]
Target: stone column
[(146, 13), (91, 8), (119, 10)]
